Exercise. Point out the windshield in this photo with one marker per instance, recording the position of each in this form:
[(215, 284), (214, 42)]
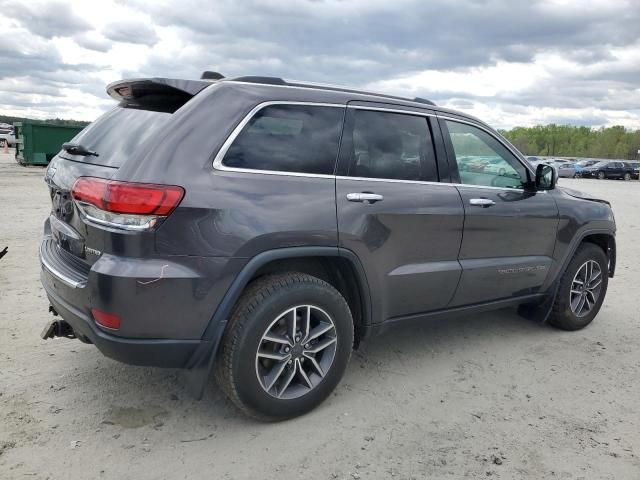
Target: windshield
[(115, 135), (600, 164)]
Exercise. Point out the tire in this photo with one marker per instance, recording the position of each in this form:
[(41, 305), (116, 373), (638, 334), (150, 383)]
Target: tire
[(267, 306), (564, 315), (627, 177), (2, 142), (601, 175)]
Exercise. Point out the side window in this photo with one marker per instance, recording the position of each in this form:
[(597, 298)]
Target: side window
[(482, 160), (393, 146), (289, 138)]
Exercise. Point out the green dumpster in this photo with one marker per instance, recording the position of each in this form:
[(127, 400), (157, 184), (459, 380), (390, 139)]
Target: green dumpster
[(38, 142)]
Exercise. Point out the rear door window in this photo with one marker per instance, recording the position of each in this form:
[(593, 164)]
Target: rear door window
[(392, 146), (289, 138)]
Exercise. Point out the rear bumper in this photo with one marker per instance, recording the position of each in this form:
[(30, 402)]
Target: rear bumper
[(134, 351), (165, 304)]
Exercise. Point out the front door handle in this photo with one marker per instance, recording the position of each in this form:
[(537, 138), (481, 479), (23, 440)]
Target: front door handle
[(482, 202), (364, 197)]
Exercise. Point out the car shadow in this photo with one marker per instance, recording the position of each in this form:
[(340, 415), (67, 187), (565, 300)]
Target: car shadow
[(157, 396)]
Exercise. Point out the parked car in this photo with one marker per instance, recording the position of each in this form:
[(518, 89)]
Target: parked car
[(635, 166), (609, 169), (565, 169), (7, 137), (580, 166), (265, 242)]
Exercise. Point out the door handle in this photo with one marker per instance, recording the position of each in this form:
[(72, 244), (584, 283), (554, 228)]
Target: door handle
[(364, 197), (482, 202)]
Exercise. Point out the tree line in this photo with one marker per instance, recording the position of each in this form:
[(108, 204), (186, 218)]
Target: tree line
[(57, 121), (570, 141)]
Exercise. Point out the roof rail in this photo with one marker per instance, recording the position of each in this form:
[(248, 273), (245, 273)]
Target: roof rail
[(263, 80), (423, 100), (335, 88)]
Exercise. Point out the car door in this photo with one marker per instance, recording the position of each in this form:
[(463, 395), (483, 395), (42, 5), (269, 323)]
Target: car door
[(405, 227), (509, 230)]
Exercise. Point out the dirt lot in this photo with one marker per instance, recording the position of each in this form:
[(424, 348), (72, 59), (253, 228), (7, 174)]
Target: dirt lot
[(490, 396)]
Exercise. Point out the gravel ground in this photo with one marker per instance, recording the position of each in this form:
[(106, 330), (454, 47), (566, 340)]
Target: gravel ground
[(491, 395)]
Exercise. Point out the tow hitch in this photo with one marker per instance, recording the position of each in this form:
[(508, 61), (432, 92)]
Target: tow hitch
[(57, 328)]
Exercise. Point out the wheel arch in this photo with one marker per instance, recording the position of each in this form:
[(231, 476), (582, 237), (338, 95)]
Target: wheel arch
[(339, 267)]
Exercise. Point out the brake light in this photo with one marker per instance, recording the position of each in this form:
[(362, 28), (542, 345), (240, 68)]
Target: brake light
[(125, 204), (107, 320)]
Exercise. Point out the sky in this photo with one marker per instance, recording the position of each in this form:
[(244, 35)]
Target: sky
[(511, 63)]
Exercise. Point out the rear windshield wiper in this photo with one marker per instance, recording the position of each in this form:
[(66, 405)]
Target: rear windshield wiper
[(77, 149)]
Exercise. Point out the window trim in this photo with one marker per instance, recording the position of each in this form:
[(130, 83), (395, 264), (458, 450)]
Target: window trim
[(219, 165)]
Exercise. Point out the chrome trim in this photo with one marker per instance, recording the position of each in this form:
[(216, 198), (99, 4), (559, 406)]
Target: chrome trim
[(364, 197), (60, 276), (391, 110), (217, 161), (420, 182), (218, 165)]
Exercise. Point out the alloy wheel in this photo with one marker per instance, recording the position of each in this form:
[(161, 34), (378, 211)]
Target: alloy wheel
[(585, 288), (296, 352)]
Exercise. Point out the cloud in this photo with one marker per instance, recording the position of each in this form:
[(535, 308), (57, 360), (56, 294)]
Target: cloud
[(46, 19), (131, 31), (93, 41), (508, 61)]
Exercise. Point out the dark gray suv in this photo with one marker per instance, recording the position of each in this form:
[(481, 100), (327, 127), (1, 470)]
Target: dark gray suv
[(260, 229)]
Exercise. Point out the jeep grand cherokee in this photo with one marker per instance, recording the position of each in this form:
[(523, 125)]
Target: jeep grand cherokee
[(260, 229)]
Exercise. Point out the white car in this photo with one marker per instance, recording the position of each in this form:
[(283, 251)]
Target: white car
[(7, 137)]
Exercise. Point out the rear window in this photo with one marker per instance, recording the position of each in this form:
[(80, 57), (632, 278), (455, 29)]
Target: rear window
[(116, 134), (289, 138)]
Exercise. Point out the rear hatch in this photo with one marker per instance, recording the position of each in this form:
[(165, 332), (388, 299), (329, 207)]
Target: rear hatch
[(143, 113)]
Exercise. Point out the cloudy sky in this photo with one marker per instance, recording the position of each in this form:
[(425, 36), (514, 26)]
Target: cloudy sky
[(509, 62)]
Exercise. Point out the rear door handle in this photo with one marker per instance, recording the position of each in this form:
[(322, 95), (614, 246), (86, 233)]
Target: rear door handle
[(482, 202), (364, 197)]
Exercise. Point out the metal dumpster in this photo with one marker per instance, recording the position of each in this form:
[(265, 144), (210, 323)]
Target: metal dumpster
[(38, 142)]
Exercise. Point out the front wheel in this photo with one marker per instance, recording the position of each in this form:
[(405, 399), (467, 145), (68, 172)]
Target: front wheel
[(582, 289), (601, 175), (286, 347)]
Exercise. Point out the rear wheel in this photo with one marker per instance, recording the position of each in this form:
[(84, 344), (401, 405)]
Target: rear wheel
[(627, 176), (286, 347), (601, 175), (2, 142), (582, 289)]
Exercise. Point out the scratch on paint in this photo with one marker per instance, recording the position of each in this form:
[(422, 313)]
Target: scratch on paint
[(155, 279)]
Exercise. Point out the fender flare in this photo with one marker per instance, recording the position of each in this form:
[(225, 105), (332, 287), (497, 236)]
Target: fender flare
[(199, 367), (542, 311)]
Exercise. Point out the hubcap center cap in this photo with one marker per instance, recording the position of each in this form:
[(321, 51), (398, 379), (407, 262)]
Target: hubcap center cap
[(296, 351)]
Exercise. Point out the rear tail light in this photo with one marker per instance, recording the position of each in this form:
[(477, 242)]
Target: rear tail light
[(127, 205), (107, 320)]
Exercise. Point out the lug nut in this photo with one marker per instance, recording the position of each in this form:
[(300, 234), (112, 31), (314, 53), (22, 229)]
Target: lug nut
[(307, 346), (289, 362), (297, 339), (287, 349)]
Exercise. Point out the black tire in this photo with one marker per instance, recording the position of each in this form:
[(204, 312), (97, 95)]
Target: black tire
[(601, 176), (264, 300), (627, 177), (2, 142), (562, 316)]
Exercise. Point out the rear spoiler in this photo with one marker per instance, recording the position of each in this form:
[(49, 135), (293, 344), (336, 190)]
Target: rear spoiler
[(150, 92)]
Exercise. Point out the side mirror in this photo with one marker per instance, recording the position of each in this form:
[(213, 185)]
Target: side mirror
[(545, 177)]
